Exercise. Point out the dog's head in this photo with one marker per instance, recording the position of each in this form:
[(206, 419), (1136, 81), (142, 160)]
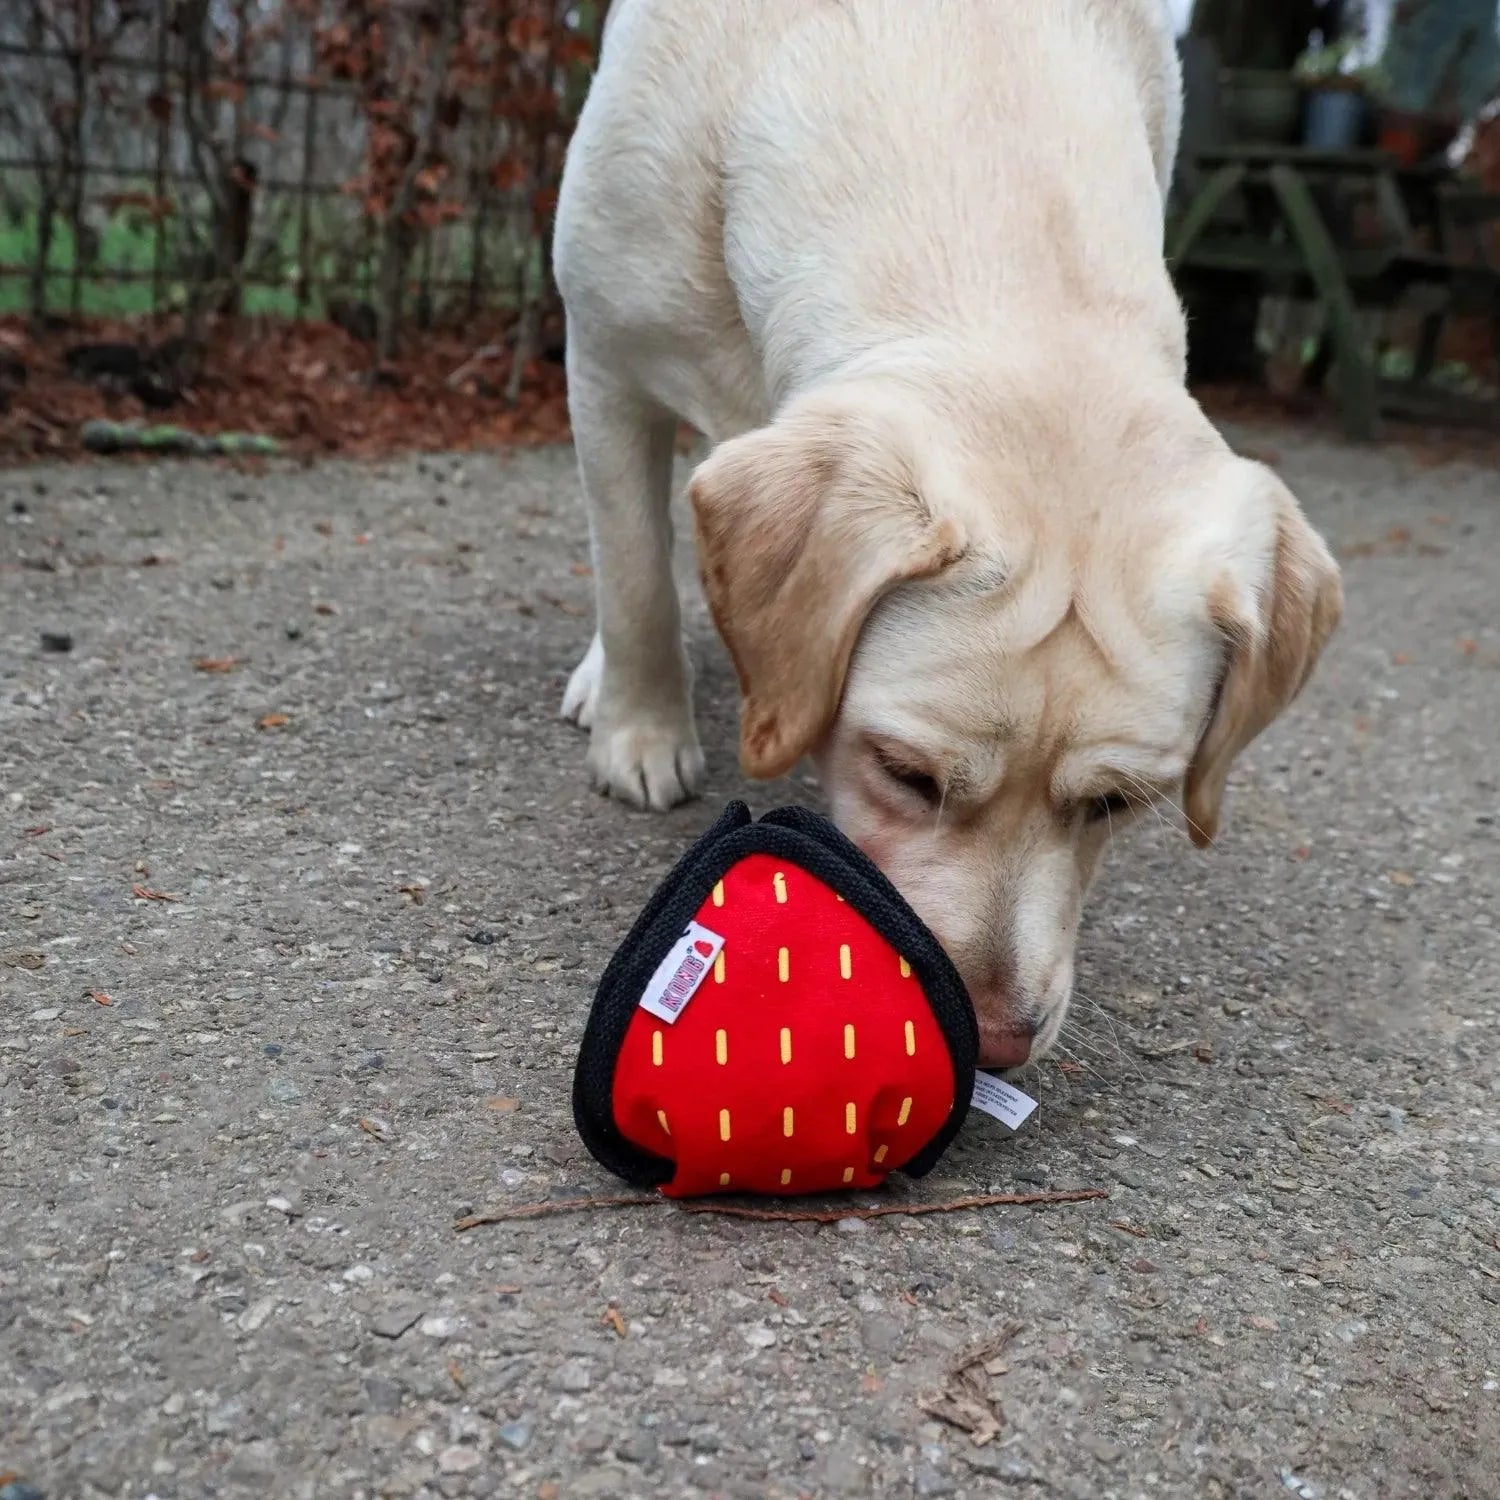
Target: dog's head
[(1001, 646)]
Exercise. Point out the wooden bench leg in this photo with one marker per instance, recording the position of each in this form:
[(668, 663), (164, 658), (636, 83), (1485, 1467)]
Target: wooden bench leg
[(1428, 341), (1200, 211), (1358, 394)]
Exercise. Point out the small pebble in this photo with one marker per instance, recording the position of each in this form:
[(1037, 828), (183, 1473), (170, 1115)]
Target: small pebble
[(272, 1049), (573, 1375), (515, 1435), (395, 1320), (384, 1396), (458, 1460), (283, 1090), (55, 640)]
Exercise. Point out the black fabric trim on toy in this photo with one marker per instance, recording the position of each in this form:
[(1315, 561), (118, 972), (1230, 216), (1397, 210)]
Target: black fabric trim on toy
[(803, 838)]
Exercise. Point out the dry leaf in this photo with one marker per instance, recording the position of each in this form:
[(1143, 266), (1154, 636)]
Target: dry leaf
[(272, 721), (38, 831), (582, 570), (615, 1321), (502, 1104), (1400, 659), (1263, 1323), (417, 893), (325, 609), (145, 893), (99, 997), (1468, 645), (456, 1375), (323, 528), (215, 663), (1400, 877)]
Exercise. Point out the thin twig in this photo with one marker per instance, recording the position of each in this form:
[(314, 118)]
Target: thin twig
[(776, 1215), (472, 363)]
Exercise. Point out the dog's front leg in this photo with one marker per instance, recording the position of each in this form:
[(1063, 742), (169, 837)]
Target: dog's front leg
[(632, 690)]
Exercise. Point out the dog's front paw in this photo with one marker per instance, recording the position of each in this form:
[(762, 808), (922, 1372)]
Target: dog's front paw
[(646, 764)]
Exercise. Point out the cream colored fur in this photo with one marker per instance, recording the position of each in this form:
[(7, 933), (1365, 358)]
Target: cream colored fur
[(968, 540)]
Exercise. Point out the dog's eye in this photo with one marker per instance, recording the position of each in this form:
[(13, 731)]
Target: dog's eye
[(918, 783), (1114, 805)]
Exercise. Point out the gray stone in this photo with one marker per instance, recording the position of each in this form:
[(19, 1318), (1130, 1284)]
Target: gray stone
[(391, 1322), (514, 1435), (572, 1375)]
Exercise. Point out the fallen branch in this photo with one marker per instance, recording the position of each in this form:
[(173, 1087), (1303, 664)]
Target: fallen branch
[(472, 363), (775, 1215)]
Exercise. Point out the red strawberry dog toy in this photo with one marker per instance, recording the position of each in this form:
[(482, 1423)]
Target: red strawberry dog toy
[(778, 1021)]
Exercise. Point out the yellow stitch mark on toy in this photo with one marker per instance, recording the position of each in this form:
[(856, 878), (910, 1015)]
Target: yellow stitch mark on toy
[(911, 1040), (848, 1174), (786, 1044), (786, 1122), (719, 968), (849, 1039), (723, 1179), (778, 884), (718, 893), (723, 1124), (783, 964), (721, 1046), (905, 1114), (846, 962), (880, 1154), (656, 1049), (661, 1116), (849, 1117), (905, 969), (786, 1176)]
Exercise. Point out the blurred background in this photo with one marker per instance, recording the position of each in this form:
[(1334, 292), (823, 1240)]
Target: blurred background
[(327, 222)]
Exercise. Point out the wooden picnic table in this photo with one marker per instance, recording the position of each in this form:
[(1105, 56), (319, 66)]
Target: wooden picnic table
[(1274, 214)]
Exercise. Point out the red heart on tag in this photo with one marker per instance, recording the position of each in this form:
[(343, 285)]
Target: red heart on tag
[(706, 949)]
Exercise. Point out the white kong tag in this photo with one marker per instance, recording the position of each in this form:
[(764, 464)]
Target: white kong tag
[(679, 974), (1006, 1102)]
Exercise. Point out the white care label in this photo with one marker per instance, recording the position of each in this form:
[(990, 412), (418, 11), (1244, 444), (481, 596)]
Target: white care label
[(679, 974), (1003, 1100)]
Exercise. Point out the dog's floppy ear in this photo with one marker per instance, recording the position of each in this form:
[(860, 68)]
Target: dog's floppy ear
[(1272, 642), (802, 527)]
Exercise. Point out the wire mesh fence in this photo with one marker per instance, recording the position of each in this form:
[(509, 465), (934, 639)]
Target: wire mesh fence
[(282, 157)]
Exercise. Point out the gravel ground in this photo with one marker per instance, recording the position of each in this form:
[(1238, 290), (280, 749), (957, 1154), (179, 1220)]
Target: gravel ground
[(282, 996)]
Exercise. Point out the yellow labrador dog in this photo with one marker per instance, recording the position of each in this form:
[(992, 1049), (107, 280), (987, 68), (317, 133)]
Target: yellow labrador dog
[(970, 543)]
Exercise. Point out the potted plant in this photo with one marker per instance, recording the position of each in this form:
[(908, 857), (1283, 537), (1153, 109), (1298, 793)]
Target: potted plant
[(1335, 87), (1262, 105)]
